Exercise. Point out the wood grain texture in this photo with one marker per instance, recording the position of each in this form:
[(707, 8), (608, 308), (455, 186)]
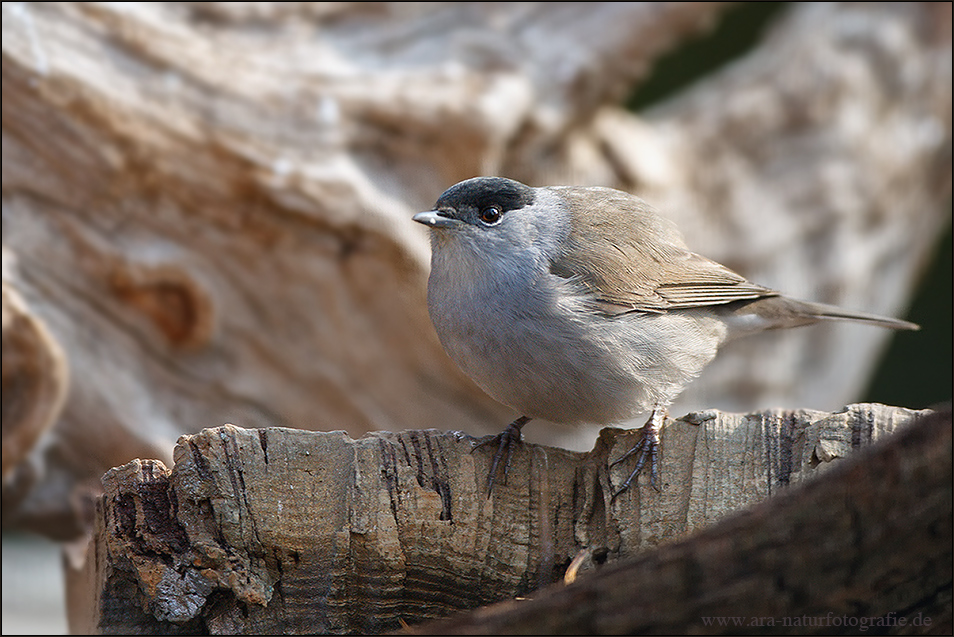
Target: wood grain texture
[(864, 549), (281, 530), (35, 376)]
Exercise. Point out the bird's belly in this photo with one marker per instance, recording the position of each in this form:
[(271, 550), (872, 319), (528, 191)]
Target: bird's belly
[(543, 376), (569, 367)]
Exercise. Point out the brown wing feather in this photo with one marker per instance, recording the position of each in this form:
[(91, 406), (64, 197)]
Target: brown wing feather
[(632, 258)]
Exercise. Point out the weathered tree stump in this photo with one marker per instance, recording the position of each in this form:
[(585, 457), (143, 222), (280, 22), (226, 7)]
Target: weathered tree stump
[(281, 530), (866, 549)]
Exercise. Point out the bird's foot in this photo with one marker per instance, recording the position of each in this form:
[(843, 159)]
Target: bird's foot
[(646, 449), (506, 440)]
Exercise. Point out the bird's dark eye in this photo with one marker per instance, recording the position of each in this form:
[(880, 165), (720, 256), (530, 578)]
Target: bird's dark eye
[(490, 215)]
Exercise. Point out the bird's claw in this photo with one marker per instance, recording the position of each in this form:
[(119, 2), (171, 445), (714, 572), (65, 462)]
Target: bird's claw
[(646, 449), (506, 440)]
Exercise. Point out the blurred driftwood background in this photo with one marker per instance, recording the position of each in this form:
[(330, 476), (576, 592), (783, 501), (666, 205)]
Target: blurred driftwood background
[(206, 206)]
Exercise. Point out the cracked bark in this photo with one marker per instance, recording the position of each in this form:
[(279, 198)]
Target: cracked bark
[(281, 530), (864, 549)]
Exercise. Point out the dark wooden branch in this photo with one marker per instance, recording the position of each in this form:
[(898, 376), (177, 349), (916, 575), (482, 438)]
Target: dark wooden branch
[(280, 530)]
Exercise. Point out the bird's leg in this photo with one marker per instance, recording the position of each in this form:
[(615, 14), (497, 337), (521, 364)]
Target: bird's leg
[(646, 448), (506, 440)]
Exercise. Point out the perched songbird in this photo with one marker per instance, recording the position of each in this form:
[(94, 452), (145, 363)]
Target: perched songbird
[(578, 305)]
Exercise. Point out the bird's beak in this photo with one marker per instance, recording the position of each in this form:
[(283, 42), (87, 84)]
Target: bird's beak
[(435, 219)]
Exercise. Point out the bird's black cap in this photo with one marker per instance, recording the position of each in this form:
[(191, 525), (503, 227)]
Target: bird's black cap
[(479, 193)]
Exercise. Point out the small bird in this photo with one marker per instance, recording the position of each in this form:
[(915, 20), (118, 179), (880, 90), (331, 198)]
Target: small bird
[(584, 305)]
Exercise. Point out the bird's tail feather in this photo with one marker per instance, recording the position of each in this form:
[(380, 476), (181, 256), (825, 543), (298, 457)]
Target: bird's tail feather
[(779, 311)]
